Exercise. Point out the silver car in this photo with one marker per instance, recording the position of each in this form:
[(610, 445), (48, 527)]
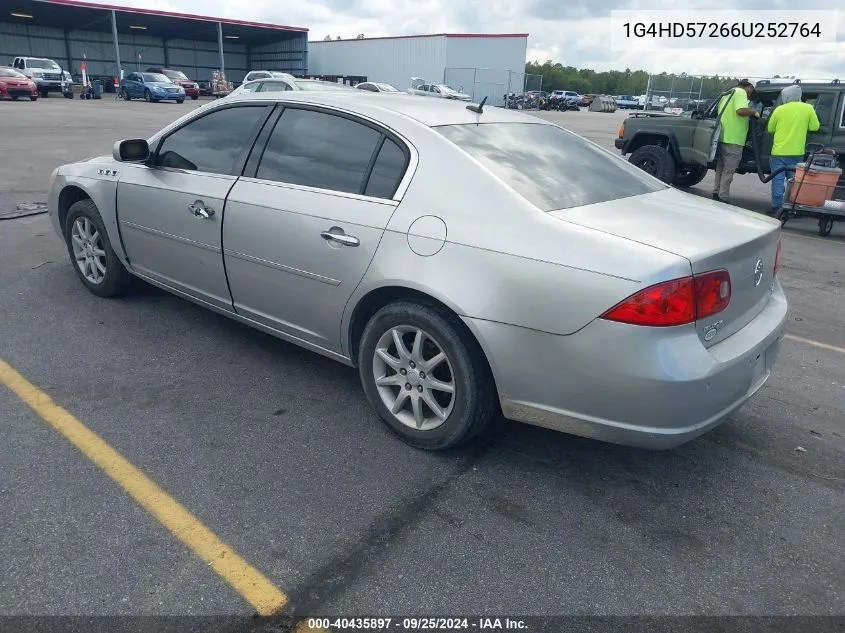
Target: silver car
[(277, 84), (557, 284), (436, 90)]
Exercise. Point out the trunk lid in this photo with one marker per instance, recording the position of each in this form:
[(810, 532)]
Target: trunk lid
[(710, 235)]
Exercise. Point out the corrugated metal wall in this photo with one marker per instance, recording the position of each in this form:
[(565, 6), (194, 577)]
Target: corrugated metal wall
[(290, 56), (35, 41), (392, 61), (498, 53), (196, 59)]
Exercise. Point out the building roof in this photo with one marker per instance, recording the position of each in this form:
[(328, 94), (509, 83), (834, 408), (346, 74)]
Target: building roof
[(407, 37), (91, 16)]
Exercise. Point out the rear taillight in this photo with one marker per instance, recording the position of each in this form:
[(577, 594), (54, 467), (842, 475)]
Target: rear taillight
[(675, 302), (712, 293), (777, 258)]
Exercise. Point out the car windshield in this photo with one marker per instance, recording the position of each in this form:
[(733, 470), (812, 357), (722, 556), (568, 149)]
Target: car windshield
[(315, 84), (549, 166), (155, 77), (48, 64), (176, 74), (8, 72), (385, 87)]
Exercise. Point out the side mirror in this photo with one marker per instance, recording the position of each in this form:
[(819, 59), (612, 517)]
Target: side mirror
[(131, 151)]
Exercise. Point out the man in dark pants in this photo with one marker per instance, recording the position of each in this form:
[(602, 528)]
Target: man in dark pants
[(735, 109)]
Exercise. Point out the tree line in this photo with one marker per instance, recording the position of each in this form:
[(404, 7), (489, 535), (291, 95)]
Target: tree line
[(626, 82)]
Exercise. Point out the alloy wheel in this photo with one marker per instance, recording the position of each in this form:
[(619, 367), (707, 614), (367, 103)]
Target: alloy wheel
[(88, 250), (414, 377)]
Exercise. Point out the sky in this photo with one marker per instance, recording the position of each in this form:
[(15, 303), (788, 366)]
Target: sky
[(572, 32)]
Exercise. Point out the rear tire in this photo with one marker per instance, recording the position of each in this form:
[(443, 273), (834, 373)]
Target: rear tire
[(689, 176), (33, 98), (91, 253), (386, 372), (148, 96), (825, 225), (654, 160)]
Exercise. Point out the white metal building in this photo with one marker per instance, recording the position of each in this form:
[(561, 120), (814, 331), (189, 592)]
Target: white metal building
[(483, 64)]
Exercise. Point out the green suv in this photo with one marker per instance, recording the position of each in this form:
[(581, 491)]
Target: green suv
[(676, 148)]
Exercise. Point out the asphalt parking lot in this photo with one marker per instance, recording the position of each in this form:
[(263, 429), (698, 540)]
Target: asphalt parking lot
[(275, 452)]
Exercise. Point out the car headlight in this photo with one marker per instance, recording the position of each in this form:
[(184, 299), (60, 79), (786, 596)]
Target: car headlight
[(36, 73)]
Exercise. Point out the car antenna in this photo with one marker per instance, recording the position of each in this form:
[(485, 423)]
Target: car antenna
[(479, 109)]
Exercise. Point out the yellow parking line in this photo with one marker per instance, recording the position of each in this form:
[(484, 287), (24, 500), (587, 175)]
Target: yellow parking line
[(245, 579), (809, 341)]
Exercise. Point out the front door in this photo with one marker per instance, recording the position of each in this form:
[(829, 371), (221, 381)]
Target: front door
[(170, 211), (301, 231)]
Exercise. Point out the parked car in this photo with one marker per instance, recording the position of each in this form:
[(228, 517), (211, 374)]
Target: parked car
[(277, 84), (565, 95), (676, 148), (192, 88), (330, 240), (436, 90), (204, 87), (627, 102), (373, 86), (14, 85), (151, 87), (265, 74), (47, 75)]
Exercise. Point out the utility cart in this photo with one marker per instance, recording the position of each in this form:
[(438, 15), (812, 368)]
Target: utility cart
[(817, 190)]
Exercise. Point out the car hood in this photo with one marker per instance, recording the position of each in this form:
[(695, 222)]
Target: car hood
[(674, 221)]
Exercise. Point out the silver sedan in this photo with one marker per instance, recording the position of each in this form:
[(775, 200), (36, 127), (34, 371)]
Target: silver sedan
[(555, 285)]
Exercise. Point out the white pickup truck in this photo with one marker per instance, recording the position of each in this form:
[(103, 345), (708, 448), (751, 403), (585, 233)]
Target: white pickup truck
[(47, 75)]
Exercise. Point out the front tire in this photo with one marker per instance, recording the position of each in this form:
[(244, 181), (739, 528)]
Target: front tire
[(425, 376), (654, 160), (33, 98), (91, 253), (180, 101), (689, 176), (124, 93), (194, 97)]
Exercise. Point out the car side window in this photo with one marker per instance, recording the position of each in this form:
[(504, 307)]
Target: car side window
[(435, 89), (216, 143), (387, 171), (320, 150), (842, 113), (824, 104)]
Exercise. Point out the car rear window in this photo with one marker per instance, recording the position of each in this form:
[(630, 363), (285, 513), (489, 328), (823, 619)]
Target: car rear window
[(549, 166)]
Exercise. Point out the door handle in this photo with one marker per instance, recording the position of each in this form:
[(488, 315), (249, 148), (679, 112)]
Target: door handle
[(199, 210), (341, 238)]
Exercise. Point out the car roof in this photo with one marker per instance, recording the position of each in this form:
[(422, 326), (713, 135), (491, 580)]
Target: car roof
[(429, 112)]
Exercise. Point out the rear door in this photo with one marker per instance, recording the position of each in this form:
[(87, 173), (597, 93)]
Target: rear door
[(303, 225), (170, 211)]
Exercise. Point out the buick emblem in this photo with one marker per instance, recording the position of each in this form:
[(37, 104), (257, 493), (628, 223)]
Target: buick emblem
[(758, 272)]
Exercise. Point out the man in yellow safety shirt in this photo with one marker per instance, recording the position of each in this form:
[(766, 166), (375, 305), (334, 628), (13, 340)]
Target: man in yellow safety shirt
[(790, 123), (735, 109)]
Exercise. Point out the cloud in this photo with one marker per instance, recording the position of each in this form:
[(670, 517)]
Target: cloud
[(574, 33)]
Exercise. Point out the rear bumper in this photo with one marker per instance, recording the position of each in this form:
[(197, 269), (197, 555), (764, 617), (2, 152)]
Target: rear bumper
[(654, 388)]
